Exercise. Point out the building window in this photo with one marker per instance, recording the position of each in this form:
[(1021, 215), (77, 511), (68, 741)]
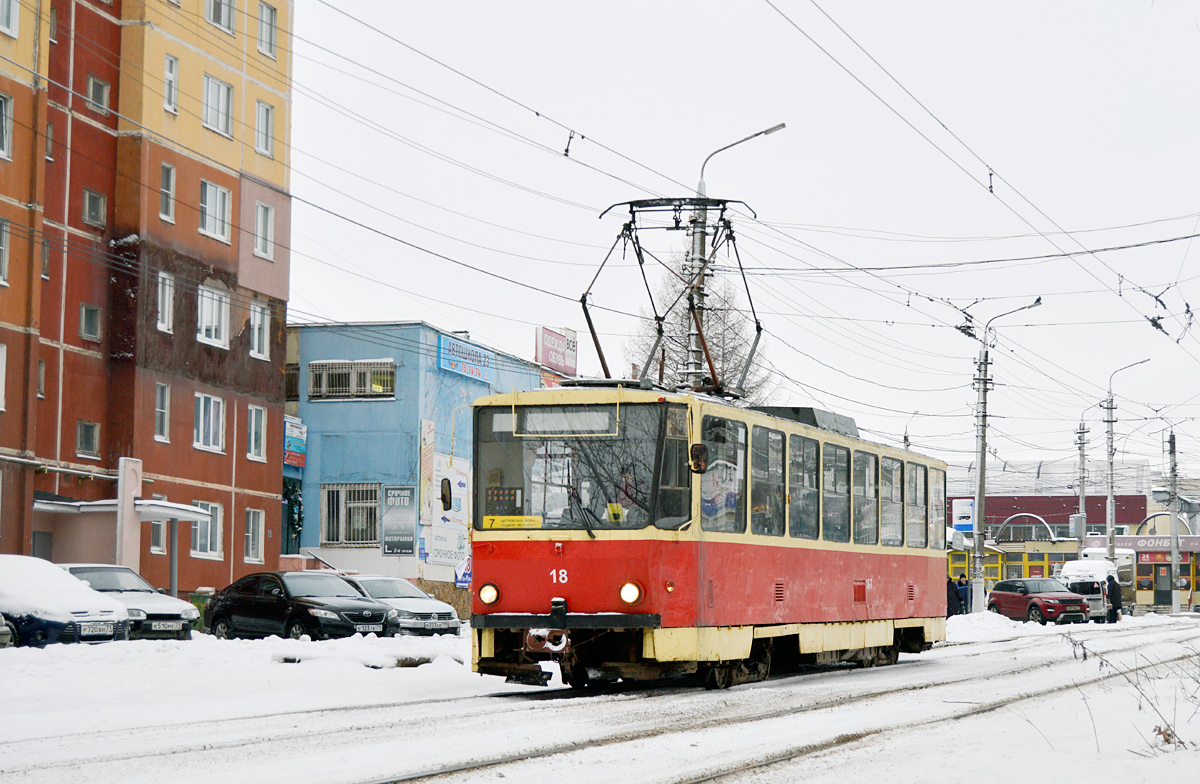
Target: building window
[(158, 531), (87, 438), (9, 10), (166, 193), (253, 552), (6, 125), (338, 379), (212, 319), (218, 106), (267, 17), (5, 241), (215, 206), (349, 514), (89, 322), (95, 208), (166, 302), (162, 413), (50, 141), (53, 25), (45, 258), (97, 95), (206, 535), (209, 428), (264, 129), (291, 382), (264, 230), (171, 85), (260, 322), (41, 389), (256, 433), (3, 371), (220, 13)]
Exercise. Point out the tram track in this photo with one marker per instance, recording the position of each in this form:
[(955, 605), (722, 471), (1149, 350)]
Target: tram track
[(633, 717)]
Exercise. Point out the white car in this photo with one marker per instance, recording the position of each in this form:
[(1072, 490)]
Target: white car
[(43, 604), (152, 614), (419, 612)]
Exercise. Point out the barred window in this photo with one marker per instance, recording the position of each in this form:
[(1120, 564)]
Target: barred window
[(342, 379), (350, 514)]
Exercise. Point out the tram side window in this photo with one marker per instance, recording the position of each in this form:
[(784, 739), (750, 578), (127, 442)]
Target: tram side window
[(804, 520), (866, 498), (766, 482), (722, 486), (914, 507), (675, 479), (937, 509), (835, 492), (891, 502)]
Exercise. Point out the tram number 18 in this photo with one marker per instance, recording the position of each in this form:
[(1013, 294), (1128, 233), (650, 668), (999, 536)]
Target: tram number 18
[(558, 575)]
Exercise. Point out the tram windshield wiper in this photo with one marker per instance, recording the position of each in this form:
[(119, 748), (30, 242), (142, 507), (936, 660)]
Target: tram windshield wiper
[(573, 498)]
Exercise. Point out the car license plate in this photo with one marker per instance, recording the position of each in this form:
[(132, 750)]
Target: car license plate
[(95, 629), (435, 624), (368, 627), (166, 626)]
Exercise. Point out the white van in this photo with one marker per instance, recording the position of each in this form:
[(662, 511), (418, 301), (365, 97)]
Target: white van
[(1089, 579)]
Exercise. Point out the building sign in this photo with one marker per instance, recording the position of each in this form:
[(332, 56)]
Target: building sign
[(557, 351), (295, 439), (1187, 542), (399, 520), (448, 544), (466, 359), (1157, 557), (963, 510)]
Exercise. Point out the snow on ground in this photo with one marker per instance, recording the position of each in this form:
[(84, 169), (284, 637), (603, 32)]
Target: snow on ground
[(1105, 730)]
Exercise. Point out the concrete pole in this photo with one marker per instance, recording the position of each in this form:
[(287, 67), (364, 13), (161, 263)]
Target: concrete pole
[(1174, 528), (174, 545), (694, 372), (978, 599), (1110, 509), (1082, 442)]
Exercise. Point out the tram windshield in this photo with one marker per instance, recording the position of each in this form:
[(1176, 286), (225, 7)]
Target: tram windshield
[(583, 467)]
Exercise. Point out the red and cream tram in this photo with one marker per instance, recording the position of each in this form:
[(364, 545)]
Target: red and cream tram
[(636, 534)]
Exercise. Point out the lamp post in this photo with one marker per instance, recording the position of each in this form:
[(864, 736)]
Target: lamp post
[(693, 372), (978, 597), (1110, 509)]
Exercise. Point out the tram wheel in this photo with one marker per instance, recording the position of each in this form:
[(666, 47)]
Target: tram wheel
[(576, 677), (718, 677)]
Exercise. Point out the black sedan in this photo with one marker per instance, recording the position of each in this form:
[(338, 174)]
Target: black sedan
[(292, 604)]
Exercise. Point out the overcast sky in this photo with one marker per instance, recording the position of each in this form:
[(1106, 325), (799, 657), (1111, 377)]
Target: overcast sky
[(429, 145)]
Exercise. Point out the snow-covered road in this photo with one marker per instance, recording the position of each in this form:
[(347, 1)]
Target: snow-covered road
[(998, 694)]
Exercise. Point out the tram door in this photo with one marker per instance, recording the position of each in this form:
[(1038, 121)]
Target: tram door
[(1162, 584)]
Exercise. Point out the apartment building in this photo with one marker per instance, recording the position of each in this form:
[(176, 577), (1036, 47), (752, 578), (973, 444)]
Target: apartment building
[(144, 224)]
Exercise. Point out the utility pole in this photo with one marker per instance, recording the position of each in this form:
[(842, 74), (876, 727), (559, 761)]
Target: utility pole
[(981, 386), (1110, 512), (1081, 441), (1174, 506)]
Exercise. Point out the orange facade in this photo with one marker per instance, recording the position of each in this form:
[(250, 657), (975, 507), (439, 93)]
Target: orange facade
[(102, 359)]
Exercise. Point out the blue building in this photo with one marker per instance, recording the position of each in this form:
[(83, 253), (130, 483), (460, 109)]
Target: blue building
[(382, 417)]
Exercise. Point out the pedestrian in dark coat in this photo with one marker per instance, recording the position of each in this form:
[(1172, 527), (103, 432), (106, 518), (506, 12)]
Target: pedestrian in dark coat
[(953, 602), (964, 594), (1114, 599)]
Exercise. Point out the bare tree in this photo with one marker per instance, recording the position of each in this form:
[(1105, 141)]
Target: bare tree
[(728, 329)]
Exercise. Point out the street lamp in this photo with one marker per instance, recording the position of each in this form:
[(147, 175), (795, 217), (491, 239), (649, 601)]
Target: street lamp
[(1110, 509), (981, 385), (696, 262)]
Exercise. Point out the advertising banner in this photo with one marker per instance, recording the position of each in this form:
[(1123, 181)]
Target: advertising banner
[(295, 440), (557, 351), (963, 510), (465, 359), (399, 521), (448, 544)]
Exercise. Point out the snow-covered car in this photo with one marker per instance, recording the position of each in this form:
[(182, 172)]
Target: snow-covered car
[(7, 633), (152, 614), (419, 612), (44, 604)]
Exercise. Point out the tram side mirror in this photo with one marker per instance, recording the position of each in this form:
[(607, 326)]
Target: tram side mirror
[(446, 497), (699, 455)]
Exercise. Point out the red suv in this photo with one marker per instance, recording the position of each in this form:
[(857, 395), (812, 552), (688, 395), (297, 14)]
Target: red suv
[(1038, 600)]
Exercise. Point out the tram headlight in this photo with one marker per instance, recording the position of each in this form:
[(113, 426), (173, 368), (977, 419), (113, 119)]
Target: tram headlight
[(631, 593), (489, 594)]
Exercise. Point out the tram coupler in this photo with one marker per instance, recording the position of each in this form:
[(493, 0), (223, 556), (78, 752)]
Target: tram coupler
[(553, 641)]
